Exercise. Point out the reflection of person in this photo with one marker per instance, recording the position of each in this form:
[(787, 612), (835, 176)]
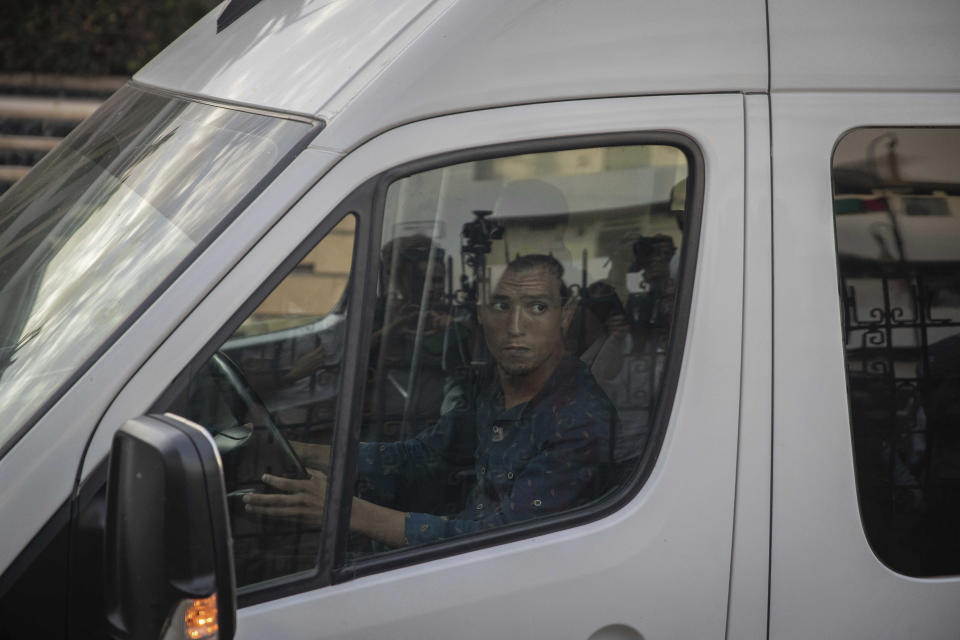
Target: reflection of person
[(654, 302), (409, 267), (542, 429), (627, 348)]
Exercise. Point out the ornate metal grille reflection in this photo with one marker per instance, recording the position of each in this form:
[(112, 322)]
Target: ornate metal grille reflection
[(902, 341)]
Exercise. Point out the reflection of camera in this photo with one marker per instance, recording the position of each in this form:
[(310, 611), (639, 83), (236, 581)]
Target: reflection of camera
[(477, 236), (652, 250), (647, 308)]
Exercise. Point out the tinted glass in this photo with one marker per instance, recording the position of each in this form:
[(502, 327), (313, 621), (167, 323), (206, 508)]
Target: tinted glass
[(897, 212), (268, 396), (521, 329), (89, 234)]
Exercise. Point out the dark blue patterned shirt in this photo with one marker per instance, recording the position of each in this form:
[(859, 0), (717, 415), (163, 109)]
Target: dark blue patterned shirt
[(544, 456)]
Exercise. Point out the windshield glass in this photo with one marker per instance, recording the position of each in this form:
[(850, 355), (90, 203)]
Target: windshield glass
[(92, 231)]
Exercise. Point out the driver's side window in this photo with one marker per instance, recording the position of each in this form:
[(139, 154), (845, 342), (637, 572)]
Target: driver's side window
[(273, 382)]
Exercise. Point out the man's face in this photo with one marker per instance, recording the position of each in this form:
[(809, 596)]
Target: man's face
[(524, 321), (660, 255)]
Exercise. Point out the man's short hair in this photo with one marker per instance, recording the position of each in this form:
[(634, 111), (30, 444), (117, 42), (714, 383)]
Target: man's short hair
[(547, 262)]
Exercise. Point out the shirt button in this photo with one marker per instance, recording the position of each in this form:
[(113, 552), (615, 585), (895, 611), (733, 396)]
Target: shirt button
[(510, 475), (479, 506), (537, 502), (483, 470)]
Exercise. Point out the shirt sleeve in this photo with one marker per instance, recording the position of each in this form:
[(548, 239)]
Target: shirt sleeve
[(567, 472), (418, 468), (383, 466)]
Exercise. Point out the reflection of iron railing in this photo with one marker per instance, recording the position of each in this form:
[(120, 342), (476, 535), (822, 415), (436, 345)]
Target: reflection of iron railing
[(37, 111), (903, 371)]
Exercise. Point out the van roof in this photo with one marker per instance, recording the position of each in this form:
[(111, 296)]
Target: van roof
[(314, 57)]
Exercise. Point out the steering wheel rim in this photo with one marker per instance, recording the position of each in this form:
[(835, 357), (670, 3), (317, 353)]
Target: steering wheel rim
[(234, 375)]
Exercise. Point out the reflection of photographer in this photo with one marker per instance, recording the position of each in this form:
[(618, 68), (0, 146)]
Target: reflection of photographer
[(628, 342), (649, 282), (476, 240)]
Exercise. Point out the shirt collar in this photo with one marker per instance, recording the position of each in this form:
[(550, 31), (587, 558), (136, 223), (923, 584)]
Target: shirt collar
[(562, 375)]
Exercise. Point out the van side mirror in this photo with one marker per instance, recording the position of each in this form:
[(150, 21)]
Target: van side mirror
[(169, 553)]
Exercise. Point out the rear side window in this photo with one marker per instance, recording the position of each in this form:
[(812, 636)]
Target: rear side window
[(897, 212)]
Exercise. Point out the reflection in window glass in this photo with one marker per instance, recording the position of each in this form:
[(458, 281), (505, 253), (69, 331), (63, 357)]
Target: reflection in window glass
[(269, 397), (90, 233), (312, 290), (897, 211), (520, 339)]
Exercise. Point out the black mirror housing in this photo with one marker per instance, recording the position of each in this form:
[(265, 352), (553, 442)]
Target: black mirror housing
[(167, 530)]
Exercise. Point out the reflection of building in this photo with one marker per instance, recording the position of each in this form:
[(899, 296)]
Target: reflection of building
[(898, 244), (610, 196), (605, 209), (894, 224), (899, 248), (900, 260), (38, 110), (317, 282), (898, 240)]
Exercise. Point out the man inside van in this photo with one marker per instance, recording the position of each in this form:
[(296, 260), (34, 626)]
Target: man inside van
[(541, 430)]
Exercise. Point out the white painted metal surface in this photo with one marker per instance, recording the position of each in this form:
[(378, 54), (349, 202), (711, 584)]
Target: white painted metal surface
[(878, 45), (498, 52), (287, 55), (826, 582), (751, 561), (424, 57)]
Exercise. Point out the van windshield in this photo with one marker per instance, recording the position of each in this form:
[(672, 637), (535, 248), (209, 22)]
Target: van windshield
[(88, 236)]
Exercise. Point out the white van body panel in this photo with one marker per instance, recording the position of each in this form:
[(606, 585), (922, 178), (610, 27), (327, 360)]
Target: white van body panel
[(817, 534), (289, 56), (856, 46), (317, 57), (750, 566)]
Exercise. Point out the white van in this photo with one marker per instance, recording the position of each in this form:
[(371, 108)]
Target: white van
[(280, 248)]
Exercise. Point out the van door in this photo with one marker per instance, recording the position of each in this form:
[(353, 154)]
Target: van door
[(353, 355), (865, 481)]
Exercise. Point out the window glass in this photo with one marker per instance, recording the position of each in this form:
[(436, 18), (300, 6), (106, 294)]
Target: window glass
[(90, 233), (524, 309), (897, 213), (269, 392)]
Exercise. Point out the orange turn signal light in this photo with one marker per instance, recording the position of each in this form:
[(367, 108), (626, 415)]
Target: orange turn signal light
[(200, 619)]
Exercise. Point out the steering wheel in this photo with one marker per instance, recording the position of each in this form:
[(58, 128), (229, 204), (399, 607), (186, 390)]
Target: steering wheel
[(264, 547), (270, 449)]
